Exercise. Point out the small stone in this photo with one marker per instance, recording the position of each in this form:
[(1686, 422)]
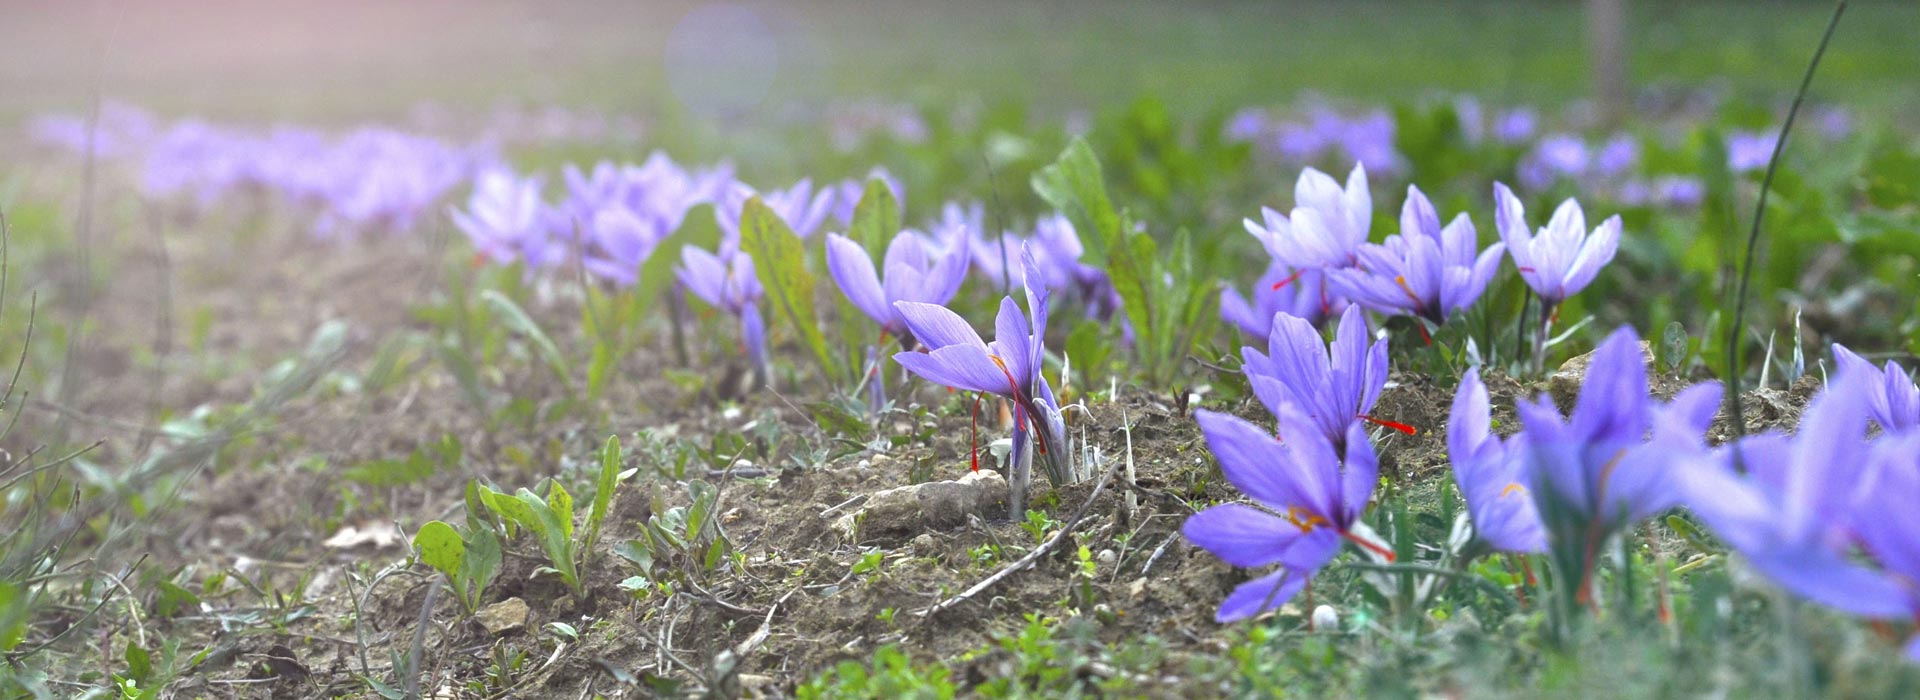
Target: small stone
[(1137, 588), (505, 616), (901, 512), (1325, 619), (1106, 557), (1564, 385), (925, 544)]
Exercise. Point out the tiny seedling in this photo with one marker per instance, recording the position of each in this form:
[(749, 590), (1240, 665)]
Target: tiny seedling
[(550, 520), (468, 562)]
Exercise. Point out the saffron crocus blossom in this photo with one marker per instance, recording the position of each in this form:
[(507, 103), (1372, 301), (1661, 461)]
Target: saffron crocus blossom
[(506, 220), (1327, 225), (1299, 293), (1009, 367), (1309, 502), (1425, 270), (1793, 515), (1504, 516), (1888, 527), (1563, 258), (1748, 151), (1597, 472), (917, 269), (726, 281), (1892, 399), (1334, 387)]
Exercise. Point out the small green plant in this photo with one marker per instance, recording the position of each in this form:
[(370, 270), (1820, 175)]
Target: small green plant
[(891, 675), (469, 562), (869, 563), (550, 520), (1038, 524)]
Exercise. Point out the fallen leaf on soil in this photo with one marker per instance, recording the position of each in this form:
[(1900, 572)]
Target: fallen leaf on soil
[(379, 534)]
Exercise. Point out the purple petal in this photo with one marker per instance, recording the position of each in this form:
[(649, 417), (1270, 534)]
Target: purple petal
[(936, 326), (1241, 535), (1268, 592), (853, 271)]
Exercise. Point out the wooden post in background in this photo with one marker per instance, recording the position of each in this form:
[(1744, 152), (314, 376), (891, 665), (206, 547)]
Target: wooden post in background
[(1607, 58)]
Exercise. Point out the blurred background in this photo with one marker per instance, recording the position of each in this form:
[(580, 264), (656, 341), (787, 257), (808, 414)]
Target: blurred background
[(759, 62)]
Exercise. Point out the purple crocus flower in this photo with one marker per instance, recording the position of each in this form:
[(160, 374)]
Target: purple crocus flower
[(1425, 270), (1618, 156), (1516, 125), (1327, 225), (622, 241), (1597, 472), (1793, 515), (1504, 516), (1299, 293), (726, 281), (1892, 398), (1563, 258), (1555, 157), (1333, 386), (506, 220), (1748, 151), (1888, 527), (1308, 502), (917, 268), (1009, 367)]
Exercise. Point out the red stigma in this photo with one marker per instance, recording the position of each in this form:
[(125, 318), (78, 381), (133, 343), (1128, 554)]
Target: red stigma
[(1287, 281), (1374, 547), (1402, 427), (973, 433)]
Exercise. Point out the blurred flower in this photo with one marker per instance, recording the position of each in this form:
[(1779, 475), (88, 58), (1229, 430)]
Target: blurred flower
[(727, 281), (1516, 125), (1748, 151), (1424, 270), (1332, 386), (1309, 502), (1796, 514), (1556, 157), (1488, 473), (1562, 258), (1671, 191), (1892, 399), (506, 221), (918, 269), (1598, 472), (1298, 293)]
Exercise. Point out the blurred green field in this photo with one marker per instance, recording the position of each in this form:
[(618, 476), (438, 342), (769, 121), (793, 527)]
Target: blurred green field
[(363, 60)]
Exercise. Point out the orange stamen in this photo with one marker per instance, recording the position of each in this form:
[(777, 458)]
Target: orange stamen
[(1512, 488)]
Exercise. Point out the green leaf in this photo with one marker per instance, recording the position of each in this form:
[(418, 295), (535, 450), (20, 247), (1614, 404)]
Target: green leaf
[(1074, 185), (562, 504), (876, 218), (480, 565), (603, 489), (172, 599), (518, 321), (139, 663), (781, 262), (513, 509), (440, 547), (13, 616), (697, 229)]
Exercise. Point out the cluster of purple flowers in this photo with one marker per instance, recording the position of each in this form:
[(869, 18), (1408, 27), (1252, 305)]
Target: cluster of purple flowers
[(1322, 259), (1322, 134), (368, 180), (1609, 169)]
